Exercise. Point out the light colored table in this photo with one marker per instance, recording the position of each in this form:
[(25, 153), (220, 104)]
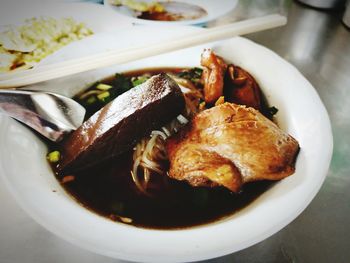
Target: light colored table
[(319, 46)]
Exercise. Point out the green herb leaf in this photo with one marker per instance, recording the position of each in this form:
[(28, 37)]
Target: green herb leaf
[(272, 110), (122, 82), (54, 156), (139, 80), (91, 100), (103, 96), (193, 74)]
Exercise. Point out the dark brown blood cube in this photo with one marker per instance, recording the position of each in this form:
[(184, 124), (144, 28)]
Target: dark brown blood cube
[(119, 125)]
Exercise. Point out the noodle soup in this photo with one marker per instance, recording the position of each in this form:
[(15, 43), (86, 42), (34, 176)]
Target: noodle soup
[(133, 188)]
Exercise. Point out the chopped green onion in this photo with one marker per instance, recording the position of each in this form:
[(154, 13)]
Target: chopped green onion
[(193, 74), (122, 82), (103, 96), (102, 86), (139, 80), (198, 71), (54, 156), (91, 100)]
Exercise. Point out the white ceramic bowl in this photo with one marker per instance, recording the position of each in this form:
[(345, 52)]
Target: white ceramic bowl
[(214, 10), (301, 113)]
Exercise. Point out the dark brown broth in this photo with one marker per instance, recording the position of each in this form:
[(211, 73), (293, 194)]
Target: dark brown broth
[(108, 190)]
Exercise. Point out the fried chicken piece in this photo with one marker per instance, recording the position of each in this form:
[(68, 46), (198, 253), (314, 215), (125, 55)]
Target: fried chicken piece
[(241, 88), (213, 75), (229, 145)]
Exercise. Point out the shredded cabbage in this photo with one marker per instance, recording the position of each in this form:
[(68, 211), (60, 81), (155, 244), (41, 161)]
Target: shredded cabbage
[(26, 45)]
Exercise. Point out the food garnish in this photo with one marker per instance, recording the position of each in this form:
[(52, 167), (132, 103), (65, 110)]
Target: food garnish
[(102, 86), (54, 156)]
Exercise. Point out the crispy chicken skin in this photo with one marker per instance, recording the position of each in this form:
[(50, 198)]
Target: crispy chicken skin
[(229, 145), (235, 83), (213, 75), (241, 88)]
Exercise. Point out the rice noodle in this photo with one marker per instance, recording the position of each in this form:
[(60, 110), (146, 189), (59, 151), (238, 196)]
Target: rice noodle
[(89, 93), (162, 134), (134, 174), (150, 153), (166, 131)]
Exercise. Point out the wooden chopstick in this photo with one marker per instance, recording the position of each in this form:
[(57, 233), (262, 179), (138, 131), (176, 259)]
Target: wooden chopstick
[(108, 58)]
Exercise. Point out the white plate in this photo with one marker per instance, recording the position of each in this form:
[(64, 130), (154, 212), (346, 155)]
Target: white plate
[(96, 17), (214, 9), (301, 113)]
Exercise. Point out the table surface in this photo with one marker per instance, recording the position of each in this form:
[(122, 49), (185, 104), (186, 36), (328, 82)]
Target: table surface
[(319, 46)]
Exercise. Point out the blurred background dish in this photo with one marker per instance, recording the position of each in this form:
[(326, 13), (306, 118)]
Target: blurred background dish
[(189, 12), (96, 17), (324, 4), (38, 29), (346, 16)]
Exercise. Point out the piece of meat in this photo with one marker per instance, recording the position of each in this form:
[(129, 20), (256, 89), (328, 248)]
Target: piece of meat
[(213, 75), (241, 88), (119, 125), (229, 145)]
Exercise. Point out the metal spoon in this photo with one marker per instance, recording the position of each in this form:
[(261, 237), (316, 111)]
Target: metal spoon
[(50, 114)]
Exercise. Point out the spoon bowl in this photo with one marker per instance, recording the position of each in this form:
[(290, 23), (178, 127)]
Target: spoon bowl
[(50, 114)]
